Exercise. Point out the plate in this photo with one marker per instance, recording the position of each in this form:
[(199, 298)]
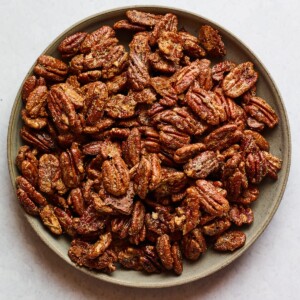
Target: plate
[(270, 192)]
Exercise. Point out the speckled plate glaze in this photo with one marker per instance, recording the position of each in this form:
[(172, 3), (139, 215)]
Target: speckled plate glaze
[(271, 192)]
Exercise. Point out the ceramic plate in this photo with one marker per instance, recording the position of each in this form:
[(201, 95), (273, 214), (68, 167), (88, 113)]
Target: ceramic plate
[(270, 192)]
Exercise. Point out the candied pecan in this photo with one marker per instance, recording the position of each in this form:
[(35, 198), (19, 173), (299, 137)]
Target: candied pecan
[(171, 138), (159, 64), (193, 244), (116, 61), (183, 154), (254, 124), (211, 41), (240, 215), (172, 182), (163, 248), (169, 44), (223, 137), (71, 166), (177, 259), (59, 201), (163, 87), (92, 39), (131, 148), (100, 246), (185, 76), (202, 165), (205, 76), (120, 106), (168, 22), (239, 80), (256, 166), (142, 18), (99, 53), (30, 84), (50, 220), (36, 123), (260, 110), (117, 83), (50, 175), (89, 76), (216, 227), (63, 111), (76, 200), (117, 133), (120, 226), (65, 221), (27, 163), (248, 196), (234, 176), (139, 237), (77, 64), (28, 205), (150, 261), (103, 124), (96, 96), (260, 141), (71, 44), (191, 45), (204, 104), (273, 165), (220, 68), (210, 199), (137, 221), (130, 258), (51, 68), (147, 96), (36, 101), (115, 176), (124, 24), (230, 241), (40, 140), (138, 74)]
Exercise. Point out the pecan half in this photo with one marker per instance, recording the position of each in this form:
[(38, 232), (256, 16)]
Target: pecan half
[(193, 244), (71, 44), (50, 220), (230, 241)]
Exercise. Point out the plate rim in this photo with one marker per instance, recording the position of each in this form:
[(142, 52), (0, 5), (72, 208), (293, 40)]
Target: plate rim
[(177, 280)]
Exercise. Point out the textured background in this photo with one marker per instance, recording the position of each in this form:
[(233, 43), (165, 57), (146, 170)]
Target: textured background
[(268, 270)]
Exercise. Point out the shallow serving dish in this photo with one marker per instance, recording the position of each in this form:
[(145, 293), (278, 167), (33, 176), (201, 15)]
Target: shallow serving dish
[(270, 192)]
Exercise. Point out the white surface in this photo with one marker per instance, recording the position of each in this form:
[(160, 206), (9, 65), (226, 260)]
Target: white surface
[(270, 269)]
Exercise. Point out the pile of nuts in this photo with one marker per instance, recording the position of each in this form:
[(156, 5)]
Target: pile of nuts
[(148, 156)]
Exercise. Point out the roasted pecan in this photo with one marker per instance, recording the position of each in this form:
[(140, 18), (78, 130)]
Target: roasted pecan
[(230, 241), (150, 261), (96, 37), (193, 244), (204, 104), (218, 70), (239, 80), (50, 180), (211, 41), (202, 165), (50, 220), (77, 64), (131, 148), (27, 163), (205, 76), (120, 226), (256, 166), (51, 68), (260, 110), (36, 123), (168, 22), (191, 45), (254, 124), (28, 205), (117, 83), (223, 137), (71, 44), (260, 141), (163, 87), (40, 140), (30, 84), (177, 259), (169, 44), (120, 106), (65, 221), (36, 102), (130, 258), (240, 215), (273, 165), (115, 176), (163, 248), (100, 246), (76, 201), (124, 24), (216, 227), (142, 18), (183, 154), (184, 77), (159, 64), (248, 196), (210, 199), (89, 76), (138, 216)]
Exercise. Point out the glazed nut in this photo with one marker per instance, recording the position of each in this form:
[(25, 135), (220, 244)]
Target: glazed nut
[(230, 241)]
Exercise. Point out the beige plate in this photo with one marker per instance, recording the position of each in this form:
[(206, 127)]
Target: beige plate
[(271, 192)]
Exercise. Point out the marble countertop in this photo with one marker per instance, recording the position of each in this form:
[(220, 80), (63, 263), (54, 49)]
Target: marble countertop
[(270, 269)]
